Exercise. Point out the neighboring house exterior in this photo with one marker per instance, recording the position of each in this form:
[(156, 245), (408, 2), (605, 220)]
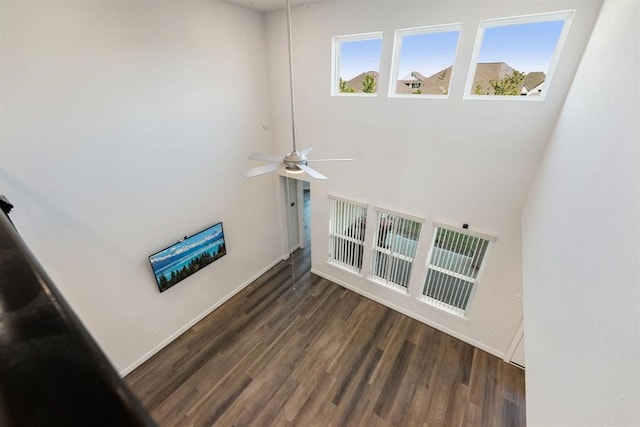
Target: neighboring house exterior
[(487, 71), (416, 83), (438, 83), (533, 83), (357, 83), (411, 83)]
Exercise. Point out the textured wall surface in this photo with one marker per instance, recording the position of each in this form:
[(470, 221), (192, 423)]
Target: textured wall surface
[(123, 127), (581, 229)]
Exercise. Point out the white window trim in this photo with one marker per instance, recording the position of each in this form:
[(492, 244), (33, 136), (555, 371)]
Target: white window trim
[(397, 49), (442, 306), (489, 237), (566, 15), (456, 313), (389, 285), (332, 196), (335, 61), (449, 311), (401, 215)]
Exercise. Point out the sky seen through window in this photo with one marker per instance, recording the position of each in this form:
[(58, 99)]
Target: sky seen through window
[(525, 47)]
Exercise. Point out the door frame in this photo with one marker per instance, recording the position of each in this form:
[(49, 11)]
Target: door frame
[(518, 337), (288, 219)]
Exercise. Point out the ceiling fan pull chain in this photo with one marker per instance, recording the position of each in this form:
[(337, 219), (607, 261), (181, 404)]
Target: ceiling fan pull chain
[(291, 254), (293, 273)]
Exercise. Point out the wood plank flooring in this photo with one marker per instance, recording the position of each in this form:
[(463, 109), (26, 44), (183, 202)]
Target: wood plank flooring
[(321, 355)]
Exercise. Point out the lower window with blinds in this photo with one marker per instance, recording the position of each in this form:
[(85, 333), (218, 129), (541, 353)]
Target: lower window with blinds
[(347, 224), (394, 250), (455, 262)]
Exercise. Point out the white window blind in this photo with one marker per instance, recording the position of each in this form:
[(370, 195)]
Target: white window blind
[(452, 273), (394, 250), (347, 223)]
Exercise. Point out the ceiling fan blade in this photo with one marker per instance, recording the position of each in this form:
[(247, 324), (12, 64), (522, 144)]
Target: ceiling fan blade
[(260, 170), (312, 172), (306, 151), (327, 160), (265, 157)]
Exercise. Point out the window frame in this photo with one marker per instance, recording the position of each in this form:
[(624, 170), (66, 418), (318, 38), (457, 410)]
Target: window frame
[(383, 281), (397, 50), (565, 15), (441, 305), (336, 55), (331, 260)]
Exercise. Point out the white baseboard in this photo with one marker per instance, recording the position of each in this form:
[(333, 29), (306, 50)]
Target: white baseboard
[(413, 315), (198, 318)]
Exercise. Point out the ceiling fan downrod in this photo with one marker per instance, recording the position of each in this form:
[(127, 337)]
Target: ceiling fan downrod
[(291, 86), (295, 161)]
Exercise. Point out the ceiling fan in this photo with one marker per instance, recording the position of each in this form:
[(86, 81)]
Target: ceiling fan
[(295, 161)]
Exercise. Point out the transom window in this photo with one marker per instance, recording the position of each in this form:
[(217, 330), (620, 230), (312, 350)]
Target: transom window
[(423, 61), (356, 64), (347, 224), (394, 249), (455, 262), (514, 58)]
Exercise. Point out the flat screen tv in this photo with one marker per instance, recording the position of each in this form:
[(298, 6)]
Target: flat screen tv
[(181, 260)]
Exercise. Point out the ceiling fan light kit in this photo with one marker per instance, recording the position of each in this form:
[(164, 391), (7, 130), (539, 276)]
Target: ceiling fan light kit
[(296, 161)]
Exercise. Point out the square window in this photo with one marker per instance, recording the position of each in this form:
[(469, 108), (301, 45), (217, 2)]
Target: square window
[(515, 57), (455, 262), (423, 61), (347, 226), (395, 246), (356, 64)]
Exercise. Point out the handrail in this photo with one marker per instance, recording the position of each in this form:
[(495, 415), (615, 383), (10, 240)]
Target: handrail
[(52, 372)]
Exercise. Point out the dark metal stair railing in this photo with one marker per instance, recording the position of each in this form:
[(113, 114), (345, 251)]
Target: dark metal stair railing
[(52, 372)]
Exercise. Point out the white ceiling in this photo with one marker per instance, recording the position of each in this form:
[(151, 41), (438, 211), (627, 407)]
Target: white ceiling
[(267, 5)]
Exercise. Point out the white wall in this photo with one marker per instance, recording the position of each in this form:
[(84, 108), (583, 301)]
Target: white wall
[(581, 229), (123, 125), (451, 160)]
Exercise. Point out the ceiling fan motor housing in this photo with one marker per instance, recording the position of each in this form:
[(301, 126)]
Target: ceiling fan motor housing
[(293, 160)]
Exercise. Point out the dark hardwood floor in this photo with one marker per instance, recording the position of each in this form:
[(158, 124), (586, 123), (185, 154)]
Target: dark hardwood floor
[(321, 355)]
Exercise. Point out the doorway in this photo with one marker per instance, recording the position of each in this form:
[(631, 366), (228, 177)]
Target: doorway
[(297, 207)]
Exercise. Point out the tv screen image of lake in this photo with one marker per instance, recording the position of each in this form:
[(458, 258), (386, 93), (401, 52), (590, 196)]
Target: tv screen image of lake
[(178, 256)]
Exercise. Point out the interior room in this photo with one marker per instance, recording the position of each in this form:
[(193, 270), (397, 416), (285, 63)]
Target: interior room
[(124, 126)]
